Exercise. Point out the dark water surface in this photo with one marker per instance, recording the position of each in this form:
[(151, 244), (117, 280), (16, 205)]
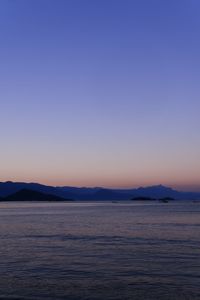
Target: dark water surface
[(100, 251)]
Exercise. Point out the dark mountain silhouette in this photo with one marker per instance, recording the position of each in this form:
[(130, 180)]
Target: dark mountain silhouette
[(97, 193), (159, 191), (29, 195), (9, 187)]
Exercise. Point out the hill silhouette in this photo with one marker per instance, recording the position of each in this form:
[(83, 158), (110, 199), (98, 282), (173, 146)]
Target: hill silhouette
[(29, 195)]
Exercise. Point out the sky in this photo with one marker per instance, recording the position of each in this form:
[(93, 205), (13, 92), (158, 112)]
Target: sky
[(100, 92)]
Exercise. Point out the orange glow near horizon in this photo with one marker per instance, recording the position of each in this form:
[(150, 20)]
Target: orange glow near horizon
[(108, 183)]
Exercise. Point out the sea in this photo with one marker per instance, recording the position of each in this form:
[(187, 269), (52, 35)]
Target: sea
[(100, 250)]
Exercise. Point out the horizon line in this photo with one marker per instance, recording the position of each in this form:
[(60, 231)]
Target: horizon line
[(102, 187)]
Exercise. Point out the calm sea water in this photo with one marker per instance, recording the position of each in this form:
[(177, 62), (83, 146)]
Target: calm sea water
[(100, 251)]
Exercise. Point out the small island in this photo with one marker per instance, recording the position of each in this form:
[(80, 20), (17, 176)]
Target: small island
[(146, 198), (166, 199), (143, 198)]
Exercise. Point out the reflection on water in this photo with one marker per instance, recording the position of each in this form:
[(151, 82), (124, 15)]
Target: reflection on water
[(99, 251)]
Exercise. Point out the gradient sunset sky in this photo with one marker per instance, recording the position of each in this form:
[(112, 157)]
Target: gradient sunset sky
[(100, 92)]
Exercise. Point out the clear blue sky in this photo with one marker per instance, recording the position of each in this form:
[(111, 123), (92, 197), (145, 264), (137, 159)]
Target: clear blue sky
[(100, 92)]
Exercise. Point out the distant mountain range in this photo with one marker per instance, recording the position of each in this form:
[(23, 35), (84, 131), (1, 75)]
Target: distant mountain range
[(98, 193)]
